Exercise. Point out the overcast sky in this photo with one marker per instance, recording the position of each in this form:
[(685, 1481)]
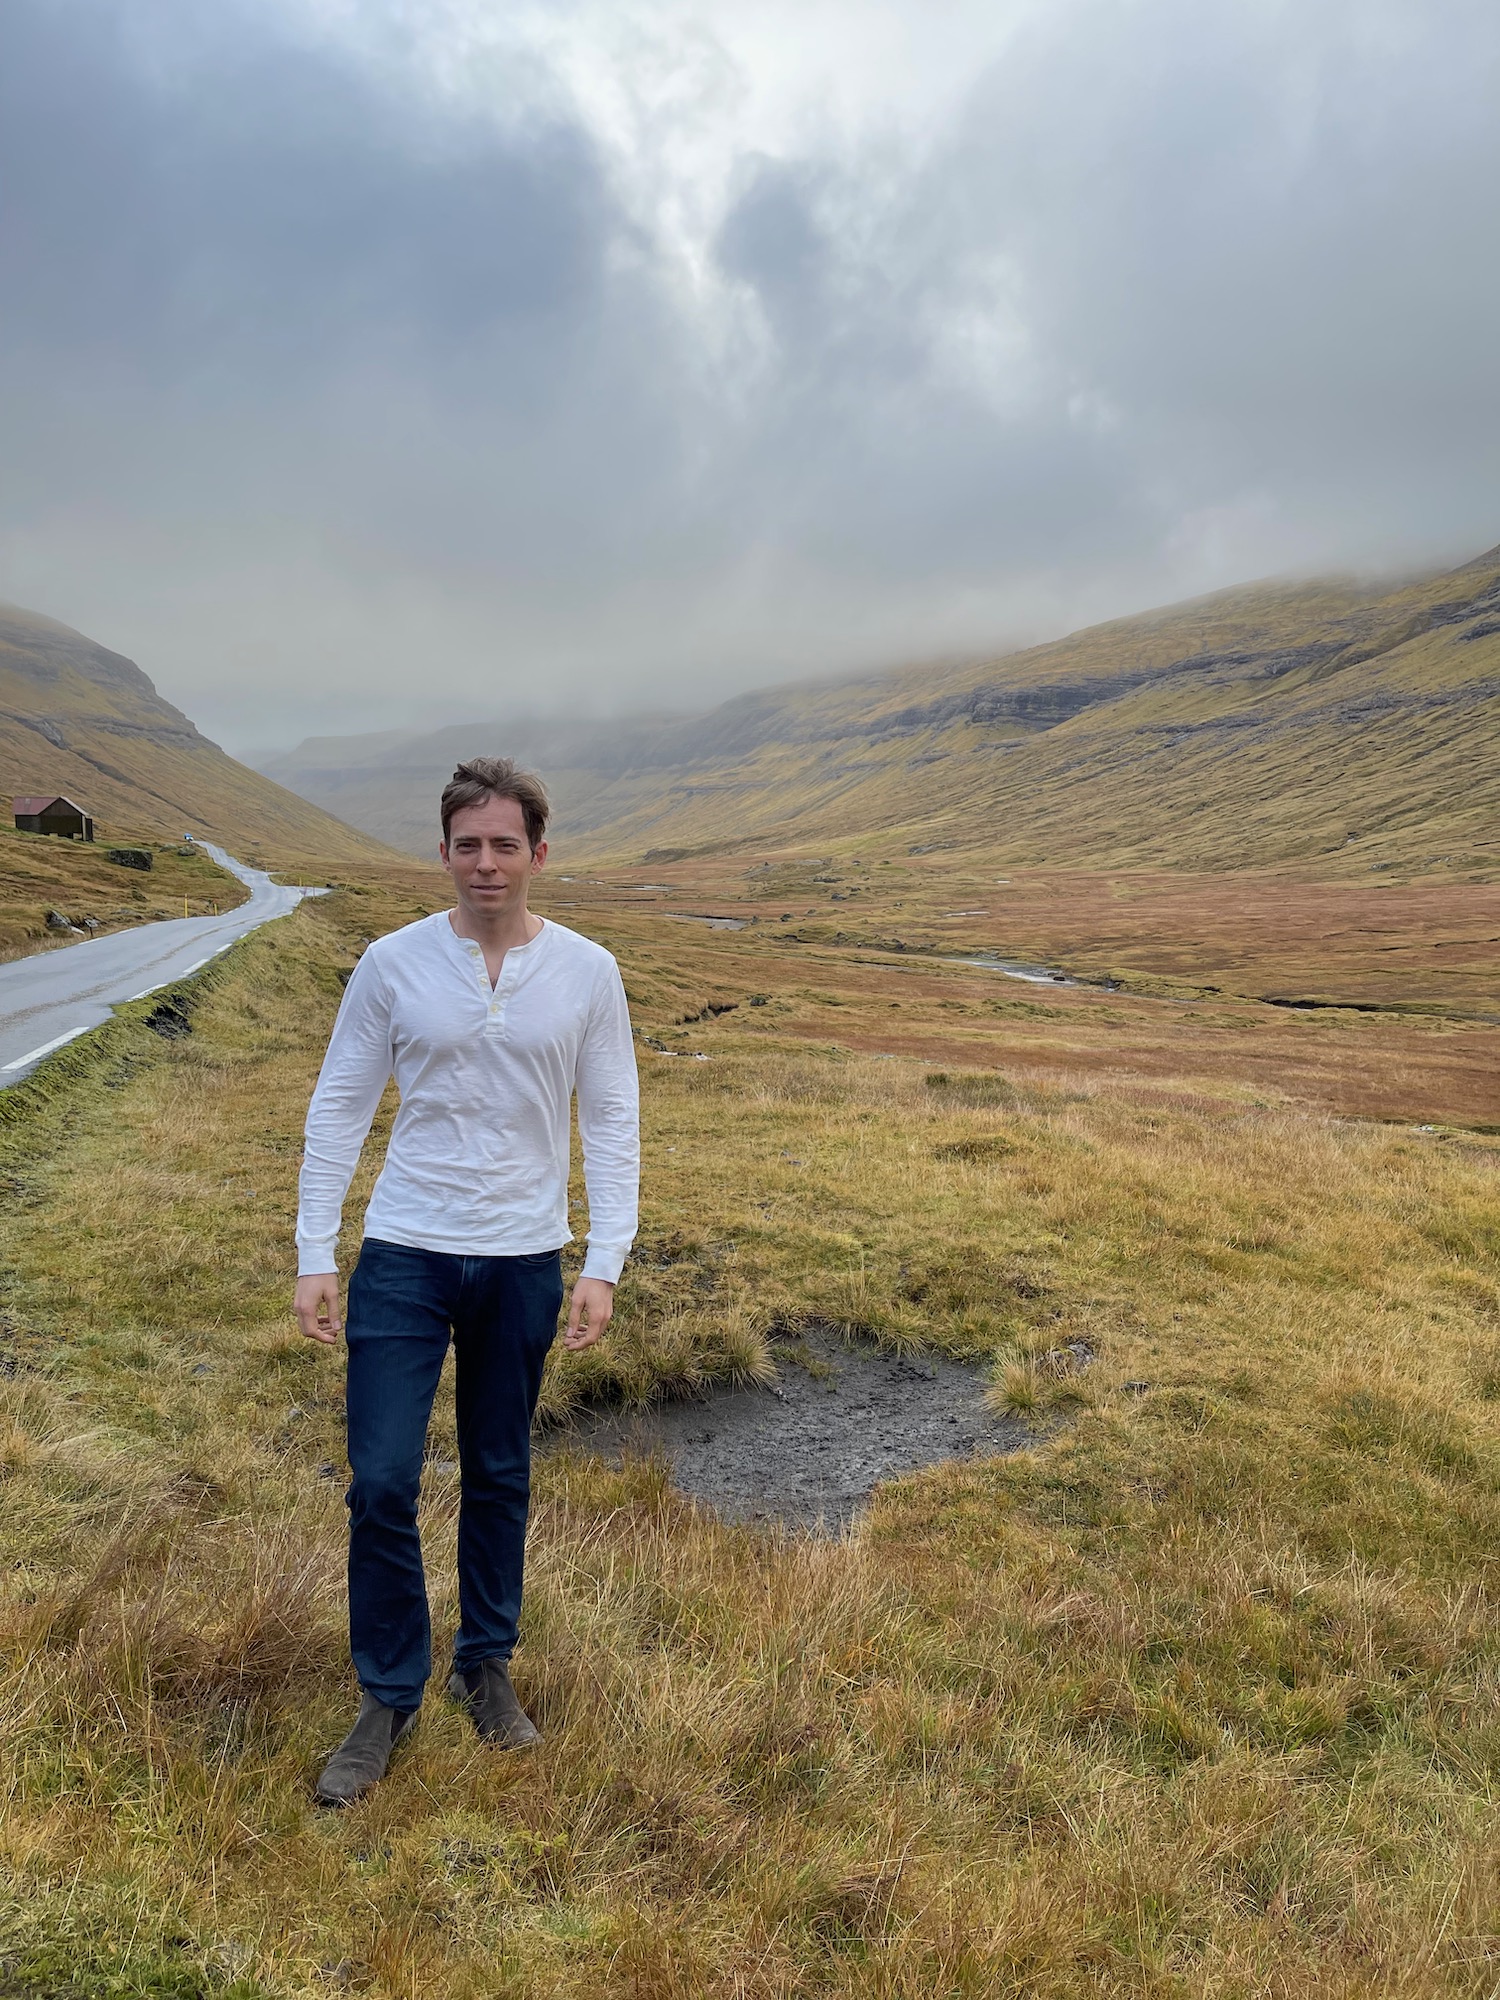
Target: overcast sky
[(373, 362)]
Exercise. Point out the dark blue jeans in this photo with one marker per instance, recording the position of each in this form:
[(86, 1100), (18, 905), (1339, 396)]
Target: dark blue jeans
[(404, 1307)]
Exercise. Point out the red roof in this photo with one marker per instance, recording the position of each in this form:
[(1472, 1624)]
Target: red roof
[(31, 806)]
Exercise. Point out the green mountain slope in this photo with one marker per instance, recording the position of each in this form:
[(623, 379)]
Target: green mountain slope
[(79, 719), (1279, 725)]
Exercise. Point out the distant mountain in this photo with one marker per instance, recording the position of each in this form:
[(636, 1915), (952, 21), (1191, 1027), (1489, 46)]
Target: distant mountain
[(78, 719), (393, 780), (1326, 725)]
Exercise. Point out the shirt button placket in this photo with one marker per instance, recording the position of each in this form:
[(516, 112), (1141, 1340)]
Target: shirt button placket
[(499, 997), (494, 1008)]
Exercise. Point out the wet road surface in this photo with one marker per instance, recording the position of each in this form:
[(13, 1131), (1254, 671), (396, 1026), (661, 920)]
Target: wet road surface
[(55, 996)]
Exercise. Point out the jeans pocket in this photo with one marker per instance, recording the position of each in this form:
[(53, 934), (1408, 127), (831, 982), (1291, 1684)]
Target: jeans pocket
[(397, 1289)]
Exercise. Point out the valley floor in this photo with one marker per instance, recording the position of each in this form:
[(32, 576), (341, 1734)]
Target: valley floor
[(1373, 1003), (1197, 1696)]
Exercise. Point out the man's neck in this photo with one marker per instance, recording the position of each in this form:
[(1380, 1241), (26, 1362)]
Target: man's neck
[(498, 933)]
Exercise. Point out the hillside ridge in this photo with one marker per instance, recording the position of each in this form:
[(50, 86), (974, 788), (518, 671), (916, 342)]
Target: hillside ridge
[(80, 719), (1278, 724)]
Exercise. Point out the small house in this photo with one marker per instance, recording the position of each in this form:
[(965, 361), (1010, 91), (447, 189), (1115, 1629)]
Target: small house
[(53, 815)]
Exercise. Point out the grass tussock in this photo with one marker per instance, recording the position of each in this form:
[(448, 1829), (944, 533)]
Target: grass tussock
[(1199, 1697)]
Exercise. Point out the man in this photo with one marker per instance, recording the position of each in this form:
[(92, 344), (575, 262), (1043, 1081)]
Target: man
[(489, 1018)]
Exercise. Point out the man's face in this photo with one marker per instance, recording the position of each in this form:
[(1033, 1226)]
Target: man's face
[(489, 858)]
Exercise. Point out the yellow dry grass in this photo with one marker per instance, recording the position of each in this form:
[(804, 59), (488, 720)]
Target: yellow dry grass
[(1197, 1697)]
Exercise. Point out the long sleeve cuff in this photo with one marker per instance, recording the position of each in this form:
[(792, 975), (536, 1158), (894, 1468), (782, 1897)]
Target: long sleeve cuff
[(316, 1257), (605, 1260)]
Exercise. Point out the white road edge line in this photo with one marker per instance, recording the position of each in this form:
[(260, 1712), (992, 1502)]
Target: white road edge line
[(45, 1050), (146, 991)]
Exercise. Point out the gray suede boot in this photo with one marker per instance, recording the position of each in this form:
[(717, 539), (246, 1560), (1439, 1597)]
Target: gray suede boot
[(485, 1691), (361, 1758)]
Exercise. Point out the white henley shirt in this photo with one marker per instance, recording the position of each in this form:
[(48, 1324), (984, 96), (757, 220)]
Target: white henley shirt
[(478, 1159)]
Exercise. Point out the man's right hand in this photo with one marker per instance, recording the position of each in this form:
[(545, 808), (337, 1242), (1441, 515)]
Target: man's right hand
[(316, 1304)]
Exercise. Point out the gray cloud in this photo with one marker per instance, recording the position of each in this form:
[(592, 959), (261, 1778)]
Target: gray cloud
[(342, 400)]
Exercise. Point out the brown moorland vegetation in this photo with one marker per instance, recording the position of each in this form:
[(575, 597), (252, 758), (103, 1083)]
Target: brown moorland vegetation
[(1380, 1003), (1197, 1697)]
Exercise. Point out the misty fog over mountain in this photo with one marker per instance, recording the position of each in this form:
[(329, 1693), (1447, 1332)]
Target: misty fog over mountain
[(373, 365)]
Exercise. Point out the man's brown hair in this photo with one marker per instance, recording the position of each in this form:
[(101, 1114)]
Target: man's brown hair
[(484, 778)]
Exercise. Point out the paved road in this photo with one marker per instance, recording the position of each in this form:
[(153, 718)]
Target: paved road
[(50, 998)]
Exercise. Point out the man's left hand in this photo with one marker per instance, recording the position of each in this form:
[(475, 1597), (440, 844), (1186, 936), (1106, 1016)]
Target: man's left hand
[(589, 1314)]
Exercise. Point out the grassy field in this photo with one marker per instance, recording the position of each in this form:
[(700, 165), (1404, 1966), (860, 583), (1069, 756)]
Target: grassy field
[(1197, 1697), (39, 873), (1382, 1002)]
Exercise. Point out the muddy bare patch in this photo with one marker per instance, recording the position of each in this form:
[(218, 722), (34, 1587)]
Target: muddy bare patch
[(841, 1418)]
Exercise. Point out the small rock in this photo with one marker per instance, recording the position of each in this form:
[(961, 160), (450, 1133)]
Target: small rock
[(328, 1470), (1069, 1360), (1135, 1388)]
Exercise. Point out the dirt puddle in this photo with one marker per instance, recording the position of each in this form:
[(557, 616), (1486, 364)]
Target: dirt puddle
[(810, 1450)]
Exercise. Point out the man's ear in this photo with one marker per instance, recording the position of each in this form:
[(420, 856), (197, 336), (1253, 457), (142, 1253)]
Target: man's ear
[(538, 856)]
